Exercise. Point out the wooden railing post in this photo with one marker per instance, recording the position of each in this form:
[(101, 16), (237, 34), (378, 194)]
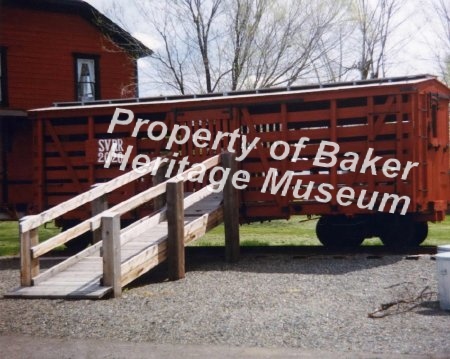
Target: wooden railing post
[(29, 266), (159, 201), (175, 229), (98, 205), (111, 252), (230, 210)]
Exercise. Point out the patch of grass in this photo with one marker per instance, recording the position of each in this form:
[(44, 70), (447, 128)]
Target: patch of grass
[(299, 232), (296, 231), (438, 233), (9, 237)]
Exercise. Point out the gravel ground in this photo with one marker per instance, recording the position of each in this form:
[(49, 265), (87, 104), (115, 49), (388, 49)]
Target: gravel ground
[(316, 302)]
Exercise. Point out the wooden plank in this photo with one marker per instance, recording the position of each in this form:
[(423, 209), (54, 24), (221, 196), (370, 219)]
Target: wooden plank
[(84, 270), (98, 191), (29, 266), (195, 197), (70, 277), (160, 201), (148, 253), (86, 266), (86, 274), (142, 267), (98, 205), (231, 211), (61, 238), (175, 230), (132, 252), (141, 226), (64, 292), (135, 246), (153, 192), (199, 226), (72, 282), (111, 252), (67, 263)]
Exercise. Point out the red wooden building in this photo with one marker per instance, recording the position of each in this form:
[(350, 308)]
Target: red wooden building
[(51, 51)]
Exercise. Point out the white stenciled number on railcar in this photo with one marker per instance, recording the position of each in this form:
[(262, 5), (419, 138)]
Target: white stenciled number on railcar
[(105, 145)]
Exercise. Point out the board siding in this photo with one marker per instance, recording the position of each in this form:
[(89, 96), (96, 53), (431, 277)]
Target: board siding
[(40, 53)]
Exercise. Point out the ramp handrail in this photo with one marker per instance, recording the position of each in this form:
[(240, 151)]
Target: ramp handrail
[(34, 221)]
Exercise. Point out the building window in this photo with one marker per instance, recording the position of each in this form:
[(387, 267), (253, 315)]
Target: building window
[(3, 83), (86, 71)]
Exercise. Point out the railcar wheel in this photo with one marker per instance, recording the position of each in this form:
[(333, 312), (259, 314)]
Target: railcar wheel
[(398, 231), (421, 233), (340, 231)]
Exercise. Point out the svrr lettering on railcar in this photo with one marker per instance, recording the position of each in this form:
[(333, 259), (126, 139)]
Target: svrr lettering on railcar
[(105, 145)]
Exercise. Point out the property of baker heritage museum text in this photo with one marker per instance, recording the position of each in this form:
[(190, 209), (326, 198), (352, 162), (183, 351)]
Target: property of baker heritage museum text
[(115, 151)]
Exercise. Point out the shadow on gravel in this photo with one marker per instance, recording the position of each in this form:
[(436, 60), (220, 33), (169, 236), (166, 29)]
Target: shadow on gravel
[(9, 263), (295, 264), (255, 260), (204, 261), (432, 308), (14, 263)]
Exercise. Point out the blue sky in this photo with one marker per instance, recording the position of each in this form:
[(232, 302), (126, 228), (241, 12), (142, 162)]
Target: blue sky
[(416, 43)]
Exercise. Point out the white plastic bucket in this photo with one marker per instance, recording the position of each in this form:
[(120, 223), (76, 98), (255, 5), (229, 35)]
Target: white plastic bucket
[(443, 272), (443, 248)]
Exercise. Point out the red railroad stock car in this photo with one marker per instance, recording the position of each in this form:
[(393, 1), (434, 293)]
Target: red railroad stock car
[(389, 139)]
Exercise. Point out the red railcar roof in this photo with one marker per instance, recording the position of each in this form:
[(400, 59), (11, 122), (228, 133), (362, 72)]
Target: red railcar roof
[(258, 93)]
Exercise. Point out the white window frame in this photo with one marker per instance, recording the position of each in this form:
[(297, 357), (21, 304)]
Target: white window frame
[(86, 84)]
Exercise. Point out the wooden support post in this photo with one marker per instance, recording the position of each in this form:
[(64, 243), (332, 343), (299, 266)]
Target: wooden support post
[(231, 210), (175, 233), (159, 201), (98, 205), (29, 266), (111, 252)]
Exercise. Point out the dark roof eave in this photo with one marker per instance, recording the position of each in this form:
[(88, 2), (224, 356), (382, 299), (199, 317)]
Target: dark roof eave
[(118, 35), (114, 32)]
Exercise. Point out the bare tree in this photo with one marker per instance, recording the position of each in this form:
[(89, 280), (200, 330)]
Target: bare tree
[(442, 8), (374, 25), (184, 30), (203, 26), (291, 42), (221, 45), (336, 48), (246, 17), (360, 41)]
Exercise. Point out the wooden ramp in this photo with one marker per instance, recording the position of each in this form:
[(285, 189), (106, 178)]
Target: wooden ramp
[(122, 255), (143, 246)]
